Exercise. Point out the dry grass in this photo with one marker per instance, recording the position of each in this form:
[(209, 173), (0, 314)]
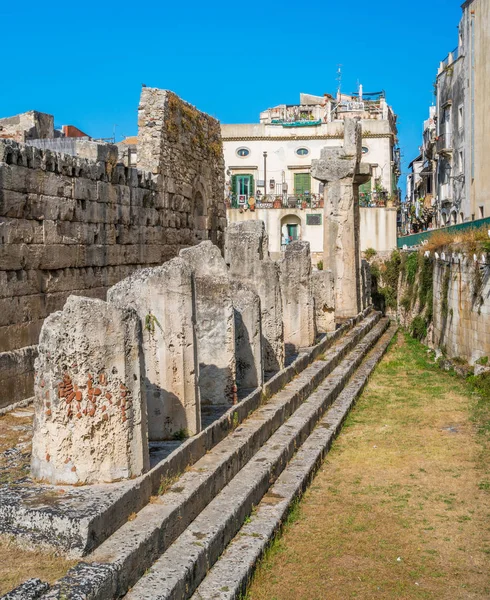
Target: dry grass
[(18, 564), (469, 241), (400, 508)]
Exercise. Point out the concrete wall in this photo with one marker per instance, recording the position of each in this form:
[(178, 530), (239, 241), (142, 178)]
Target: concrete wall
[(462, 309), (71, 225), (378, 229)]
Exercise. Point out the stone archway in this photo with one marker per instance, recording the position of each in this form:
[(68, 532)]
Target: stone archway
[(290, 229)]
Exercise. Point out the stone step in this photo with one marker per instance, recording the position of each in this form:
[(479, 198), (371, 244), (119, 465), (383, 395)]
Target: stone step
[(86, 516), (229, 577), (123, 558), (177, 573)]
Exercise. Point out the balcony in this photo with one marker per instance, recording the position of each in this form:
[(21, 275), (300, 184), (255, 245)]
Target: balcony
[(303, 201), (300, 201), (444, 143), (375, 199)]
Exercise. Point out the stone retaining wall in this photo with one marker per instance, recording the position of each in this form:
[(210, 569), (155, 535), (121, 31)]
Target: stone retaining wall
[(462, 309)]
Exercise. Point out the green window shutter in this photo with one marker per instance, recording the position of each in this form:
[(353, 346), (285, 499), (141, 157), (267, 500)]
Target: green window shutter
[(251, 185), (233, 184), (302, 183), (365, 188)]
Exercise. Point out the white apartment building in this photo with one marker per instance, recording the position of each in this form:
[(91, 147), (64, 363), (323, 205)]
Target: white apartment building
[(268, 168)]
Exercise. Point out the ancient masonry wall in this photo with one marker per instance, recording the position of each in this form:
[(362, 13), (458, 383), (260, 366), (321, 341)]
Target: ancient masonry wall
[(70, 225), (461, 308)]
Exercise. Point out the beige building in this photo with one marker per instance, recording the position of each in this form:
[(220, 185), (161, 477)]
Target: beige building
[(454, 181), (475, 31), (268, 168)]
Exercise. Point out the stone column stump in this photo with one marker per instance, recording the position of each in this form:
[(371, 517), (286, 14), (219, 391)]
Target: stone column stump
[(90, 422), (298, 303), (248, 338), (247, 254), (215, 324), (324, 294), (163, 298)]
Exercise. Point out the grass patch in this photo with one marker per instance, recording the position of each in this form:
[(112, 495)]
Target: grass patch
[(399, 508), (18, 564)]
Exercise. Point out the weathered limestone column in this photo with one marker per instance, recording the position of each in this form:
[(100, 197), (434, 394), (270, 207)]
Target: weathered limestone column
[(248, 338), (324, 294), (365, 283), (341, 171), (163, 298), (215, 323), (247, 254), (298, 304), (90, 422)]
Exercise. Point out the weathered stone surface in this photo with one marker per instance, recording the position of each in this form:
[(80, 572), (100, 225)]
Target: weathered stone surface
[(340, 169), (81, 217), (246, 253), (90, 419), (324, 294), (365, 284), (298, 304), (248, 338), (215, 323), (32, 589), (163, 298)]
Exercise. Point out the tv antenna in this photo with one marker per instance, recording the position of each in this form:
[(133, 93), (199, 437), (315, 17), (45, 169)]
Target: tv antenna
[(339, 80)]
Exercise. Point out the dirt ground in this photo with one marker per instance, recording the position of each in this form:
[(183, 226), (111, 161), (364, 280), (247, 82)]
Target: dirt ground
[(400, 508)]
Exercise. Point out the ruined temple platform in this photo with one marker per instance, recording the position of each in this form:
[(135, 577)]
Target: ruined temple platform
[(77, 519)]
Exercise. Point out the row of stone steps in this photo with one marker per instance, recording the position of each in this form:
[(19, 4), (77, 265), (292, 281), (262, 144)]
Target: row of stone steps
[(122, 559), (81, 518), (178, 572), (229, 577)]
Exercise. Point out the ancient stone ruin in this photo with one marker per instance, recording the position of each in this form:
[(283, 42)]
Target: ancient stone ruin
[(90, 414), (341, 171), (247, 254), (174, 397), (75, 220)]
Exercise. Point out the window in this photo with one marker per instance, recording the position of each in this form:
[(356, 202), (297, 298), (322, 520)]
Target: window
[(242, 187), (302, 183), (482, 212), (461, 161), (460, 117), (243, 152), (302, 151), (365, 149)]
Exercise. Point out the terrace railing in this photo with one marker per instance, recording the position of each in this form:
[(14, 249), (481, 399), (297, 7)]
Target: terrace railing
[(418, 239)]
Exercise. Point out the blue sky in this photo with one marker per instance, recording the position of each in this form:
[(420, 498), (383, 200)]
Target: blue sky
[(85, 62)]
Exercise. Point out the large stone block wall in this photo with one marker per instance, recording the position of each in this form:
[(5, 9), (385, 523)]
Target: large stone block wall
[(182, 147), (461, 308), (72, 225)]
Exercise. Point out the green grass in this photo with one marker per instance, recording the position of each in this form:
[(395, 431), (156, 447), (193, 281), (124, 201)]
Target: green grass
[(407, 478)]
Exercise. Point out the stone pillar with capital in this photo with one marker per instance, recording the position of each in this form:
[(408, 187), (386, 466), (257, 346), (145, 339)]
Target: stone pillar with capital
[(341, 171)]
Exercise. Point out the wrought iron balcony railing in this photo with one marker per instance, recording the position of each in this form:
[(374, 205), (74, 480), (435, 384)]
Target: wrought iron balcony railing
[(275, 201)]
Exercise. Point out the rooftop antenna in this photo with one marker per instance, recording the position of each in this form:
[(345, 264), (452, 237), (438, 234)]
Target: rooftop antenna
[(339, 81)]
